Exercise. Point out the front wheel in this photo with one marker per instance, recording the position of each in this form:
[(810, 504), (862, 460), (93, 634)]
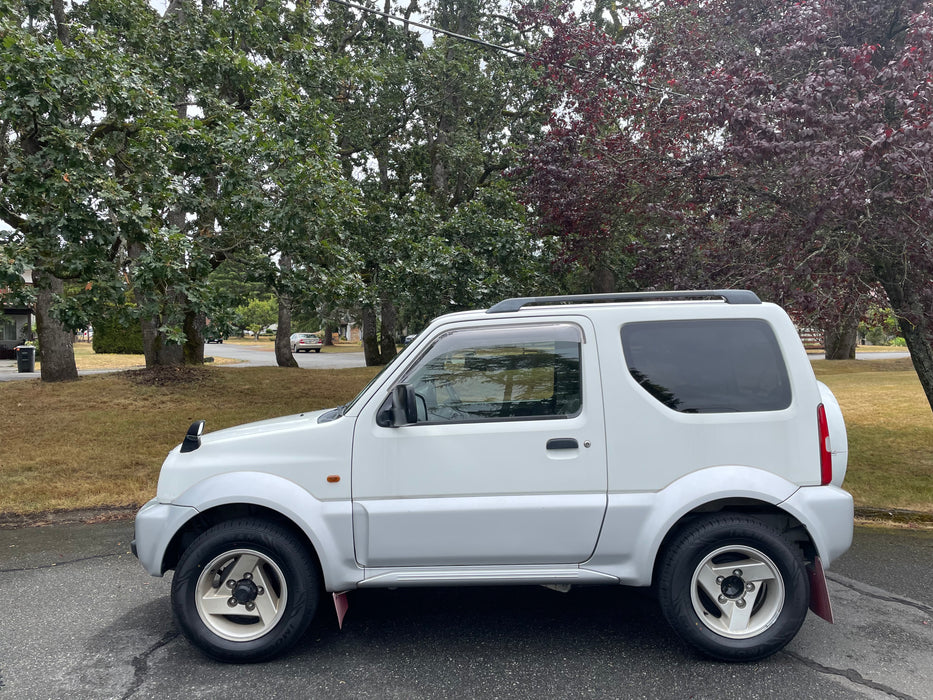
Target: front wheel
[(734, 587), (245, 590)]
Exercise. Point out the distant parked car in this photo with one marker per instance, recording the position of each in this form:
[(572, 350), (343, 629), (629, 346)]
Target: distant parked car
[(213, 335), (305, 342)]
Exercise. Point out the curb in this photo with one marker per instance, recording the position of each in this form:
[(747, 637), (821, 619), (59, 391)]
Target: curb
[(894, 515)]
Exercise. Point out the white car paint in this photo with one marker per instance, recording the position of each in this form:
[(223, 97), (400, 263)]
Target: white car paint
[(485, 501)]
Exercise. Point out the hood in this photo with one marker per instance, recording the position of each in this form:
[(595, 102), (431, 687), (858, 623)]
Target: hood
[(294, 447), (267, 427)]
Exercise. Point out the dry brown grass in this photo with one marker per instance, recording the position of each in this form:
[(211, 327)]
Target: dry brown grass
[(101, 440), (267, 343), (87, 359), (890, 430)]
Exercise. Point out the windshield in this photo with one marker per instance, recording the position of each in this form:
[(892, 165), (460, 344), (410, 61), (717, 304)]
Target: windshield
[(342, 410)]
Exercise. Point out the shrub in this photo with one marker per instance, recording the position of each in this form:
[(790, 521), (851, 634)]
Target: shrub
[(112, 335)]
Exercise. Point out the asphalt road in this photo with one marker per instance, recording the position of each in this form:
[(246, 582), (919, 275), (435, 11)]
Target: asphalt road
[(83, 620), (248, 357), (266, 357)]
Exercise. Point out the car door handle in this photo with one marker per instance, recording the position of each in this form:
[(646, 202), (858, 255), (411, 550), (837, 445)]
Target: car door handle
[(562, 444)]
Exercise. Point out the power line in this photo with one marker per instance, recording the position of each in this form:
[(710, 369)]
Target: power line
[(437, 30), (495, 47)]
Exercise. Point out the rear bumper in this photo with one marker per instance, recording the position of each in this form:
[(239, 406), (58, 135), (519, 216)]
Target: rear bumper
[(827, 512)]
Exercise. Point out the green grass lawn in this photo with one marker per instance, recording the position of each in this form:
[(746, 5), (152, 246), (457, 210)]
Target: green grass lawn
[(100, 441), (890, 428)]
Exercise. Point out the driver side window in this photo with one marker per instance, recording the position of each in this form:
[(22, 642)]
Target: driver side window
[(505, 373)]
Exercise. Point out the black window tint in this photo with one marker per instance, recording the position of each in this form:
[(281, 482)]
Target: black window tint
[(717, 366)]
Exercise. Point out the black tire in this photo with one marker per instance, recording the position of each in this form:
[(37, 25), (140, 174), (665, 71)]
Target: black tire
[(756, 611), (282, 587), (317, 349)]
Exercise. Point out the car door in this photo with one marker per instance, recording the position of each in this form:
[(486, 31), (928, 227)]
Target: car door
[(506, 463)]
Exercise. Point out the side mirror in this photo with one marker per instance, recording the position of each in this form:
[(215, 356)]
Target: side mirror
[(192, 439), (404, 408)]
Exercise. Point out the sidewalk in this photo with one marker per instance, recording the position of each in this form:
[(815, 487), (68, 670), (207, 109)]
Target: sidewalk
[(9, 372)]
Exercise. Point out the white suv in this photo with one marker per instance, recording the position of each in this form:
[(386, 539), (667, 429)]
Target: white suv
[(669, 439)]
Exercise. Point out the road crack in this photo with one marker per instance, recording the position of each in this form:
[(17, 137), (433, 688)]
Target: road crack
[(141, 664), (55, 565), (851, 675), (877, 596)]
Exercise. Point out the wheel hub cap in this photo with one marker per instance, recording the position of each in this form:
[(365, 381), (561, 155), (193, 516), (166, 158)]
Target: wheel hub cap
[(245, 591), (241, 595), (733, 587), (737, 591)]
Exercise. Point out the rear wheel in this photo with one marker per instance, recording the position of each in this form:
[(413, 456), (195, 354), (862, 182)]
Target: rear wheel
[(245, 590), (734, 587)]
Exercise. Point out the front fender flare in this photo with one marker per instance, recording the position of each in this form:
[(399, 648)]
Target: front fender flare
[(328, 525)]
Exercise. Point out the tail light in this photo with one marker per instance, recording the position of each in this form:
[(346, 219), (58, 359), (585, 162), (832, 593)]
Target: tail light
[(826, 453)]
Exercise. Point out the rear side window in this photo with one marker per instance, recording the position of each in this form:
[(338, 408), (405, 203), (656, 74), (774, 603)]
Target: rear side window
[(708, 366)]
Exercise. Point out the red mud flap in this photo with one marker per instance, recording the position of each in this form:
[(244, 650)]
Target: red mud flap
[(819, 593), (341, 605)]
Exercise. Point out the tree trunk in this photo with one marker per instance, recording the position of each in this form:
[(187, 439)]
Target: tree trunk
[(193, 349), (283, 346), (388, 326), (914, 317), (55, 341), (156, 348), (920, 343), (603, 281), (329, 330), (841, 338), (370, 341)]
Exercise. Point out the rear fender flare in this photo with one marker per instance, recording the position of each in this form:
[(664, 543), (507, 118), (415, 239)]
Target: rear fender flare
[(636, 524)]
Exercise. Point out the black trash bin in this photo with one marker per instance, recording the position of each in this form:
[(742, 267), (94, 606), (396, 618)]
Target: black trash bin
[(25, 358)]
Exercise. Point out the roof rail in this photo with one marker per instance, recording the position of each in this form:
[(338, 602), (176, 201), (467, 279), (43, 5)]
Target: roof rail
[(730, 296)]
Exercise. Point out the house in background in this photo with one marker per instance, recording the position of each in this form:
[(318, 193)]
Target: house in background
[(15, 325)]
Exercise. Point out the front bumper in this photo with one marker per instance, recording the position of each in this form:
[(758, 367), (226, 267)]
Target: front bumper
[(156, 525)]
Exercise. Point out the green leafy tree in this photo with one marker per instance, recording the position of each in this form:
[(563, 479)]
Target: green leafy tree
[(782, 147), (69, 104), (426, 131), (257, 315)]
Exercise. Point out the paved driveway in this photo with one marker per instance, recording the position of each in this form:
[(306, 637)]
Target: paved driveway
[(83, 620), (248, 357), (264, 355)]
